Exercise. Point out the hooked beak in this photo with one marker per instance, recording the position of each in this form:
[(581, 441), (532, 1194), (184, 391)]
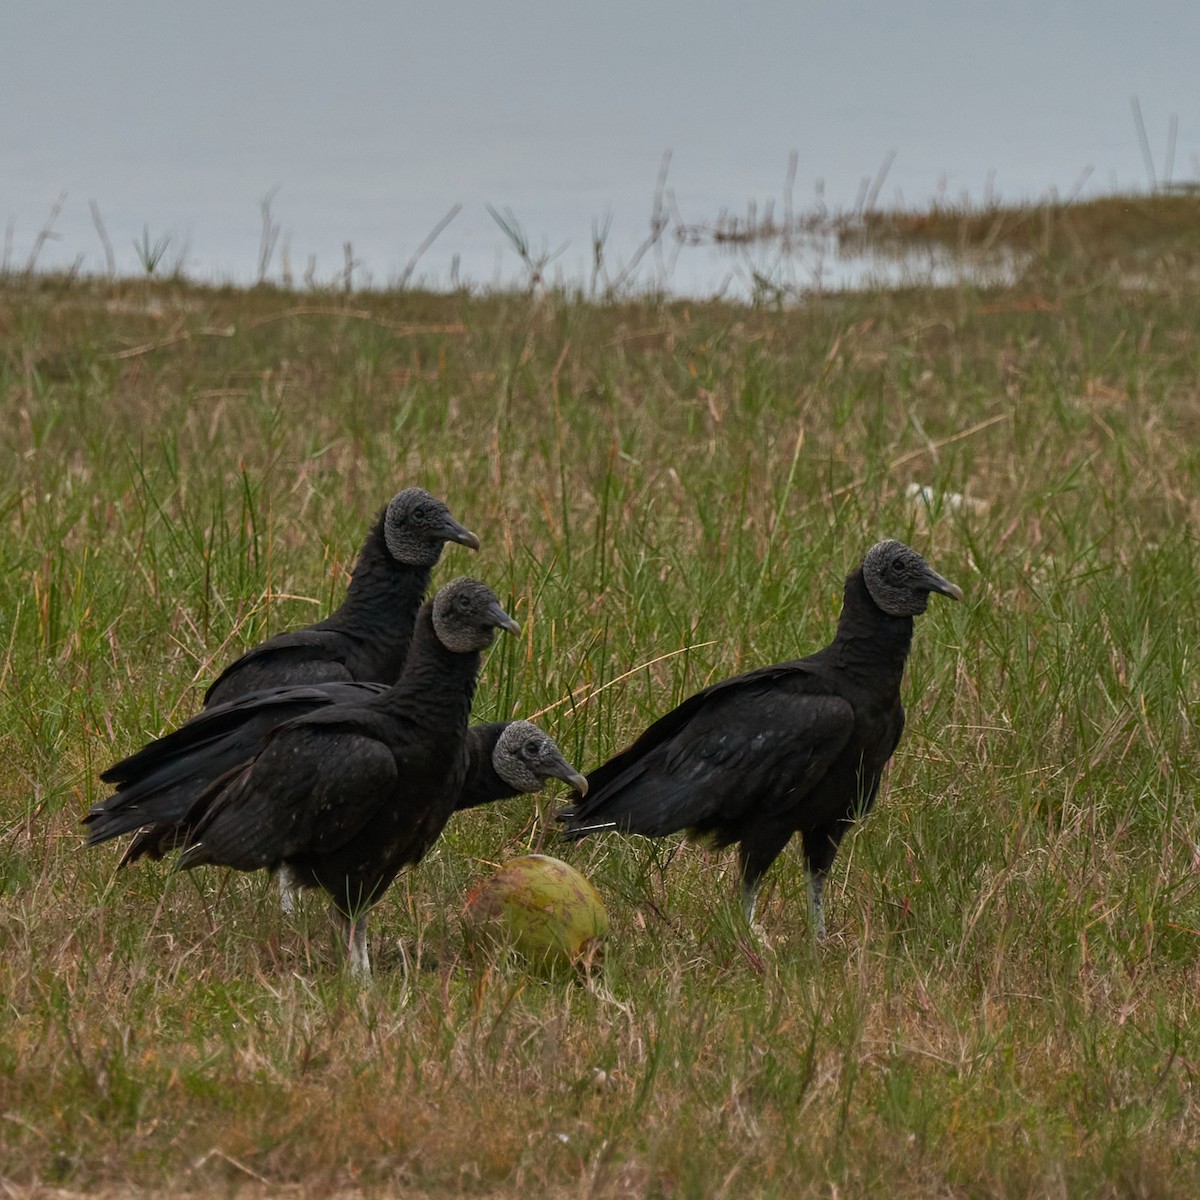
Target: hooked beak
[(559, 768), (936, 583), (452, 531), (502, 620)]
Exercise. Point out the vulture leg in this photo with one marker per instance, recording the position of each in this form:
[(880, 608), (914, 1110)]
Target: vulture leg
[(352, 936), (360, 962), (288, 888), (820, 848), (816, 914), (756, 852), (750, 899)]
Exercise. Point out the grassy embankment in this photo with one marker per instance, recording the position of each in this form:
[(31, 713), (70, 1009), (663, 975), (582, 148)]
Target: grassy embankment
[(1006, 1006)]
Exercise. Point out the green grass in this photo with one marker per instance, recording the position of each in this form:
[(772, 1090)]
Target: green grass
[(1006, 1004)]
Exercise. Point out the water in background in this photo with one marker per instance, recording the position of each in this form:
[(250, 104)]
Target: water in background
[(496, 251), (366, 124)]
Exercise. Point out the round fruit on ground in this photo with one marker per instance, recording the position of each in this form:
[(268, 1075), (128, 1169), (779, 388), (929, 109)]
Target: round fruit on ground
[(542, 907)]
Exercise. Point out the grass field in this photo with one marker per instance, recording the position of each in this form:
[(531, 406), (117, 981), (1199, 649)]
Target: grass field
[(667, 493)]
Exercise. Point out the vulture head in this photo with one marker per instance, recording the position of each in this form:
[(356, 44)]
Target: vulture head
[(900, 580), (526, 757), (417, 525), (466, 615)]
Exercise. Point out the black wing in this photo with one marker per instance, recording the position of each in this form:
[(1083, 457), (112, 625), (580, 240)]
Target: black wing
[(757, 742), (244, 716), (309, 792), (671, 722), (159, 784), (303, 656)]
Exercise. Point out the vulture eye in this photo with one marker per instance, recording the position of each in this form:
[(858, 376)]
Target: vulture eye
[(533, 748), (419, 513)]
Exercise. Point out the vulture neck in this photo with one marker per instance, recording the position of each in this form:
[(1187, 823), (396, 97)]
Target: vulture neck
[(381, 605), (483, 784), (437, 686), (873, 645)]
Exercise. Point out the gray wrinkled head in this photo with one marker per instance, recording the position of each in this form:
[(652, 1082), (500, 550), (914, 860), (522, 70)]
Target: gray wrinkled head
[(466, 615), (900, 580), (417, 525), (526, 757)]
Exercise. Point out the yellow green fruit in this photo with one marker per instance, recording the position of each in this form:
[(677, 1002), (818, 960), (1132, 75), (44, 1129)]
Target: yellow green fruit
[(542, 907)]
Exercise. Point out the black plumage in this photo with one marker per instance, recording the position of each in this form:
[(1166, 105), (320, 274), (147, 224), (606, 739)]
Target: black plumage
[(366, 639), (798, 747), (157, 786), (346, 796)]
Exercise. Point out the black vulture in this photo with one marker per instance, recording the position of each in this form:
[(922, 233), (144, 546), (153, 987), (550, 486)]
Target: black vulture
[(798, 747), (367, 637), (348, 795), (157, 786)]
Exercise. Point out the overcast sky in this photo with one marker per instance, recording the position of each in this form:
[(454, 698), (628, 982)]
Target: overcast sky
[(373, 118)]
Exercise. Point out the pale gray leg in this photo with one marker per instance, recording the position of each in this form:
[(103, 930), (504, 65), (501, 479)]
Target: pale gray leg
[(749, 903), (288, 888), (816, 913), (360, 961), (353, 937), (749, 900)]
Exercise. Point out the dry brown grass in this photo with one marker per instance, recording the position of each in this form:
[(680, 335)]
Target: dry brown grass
[(1157, 234), (1005, 1007)]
